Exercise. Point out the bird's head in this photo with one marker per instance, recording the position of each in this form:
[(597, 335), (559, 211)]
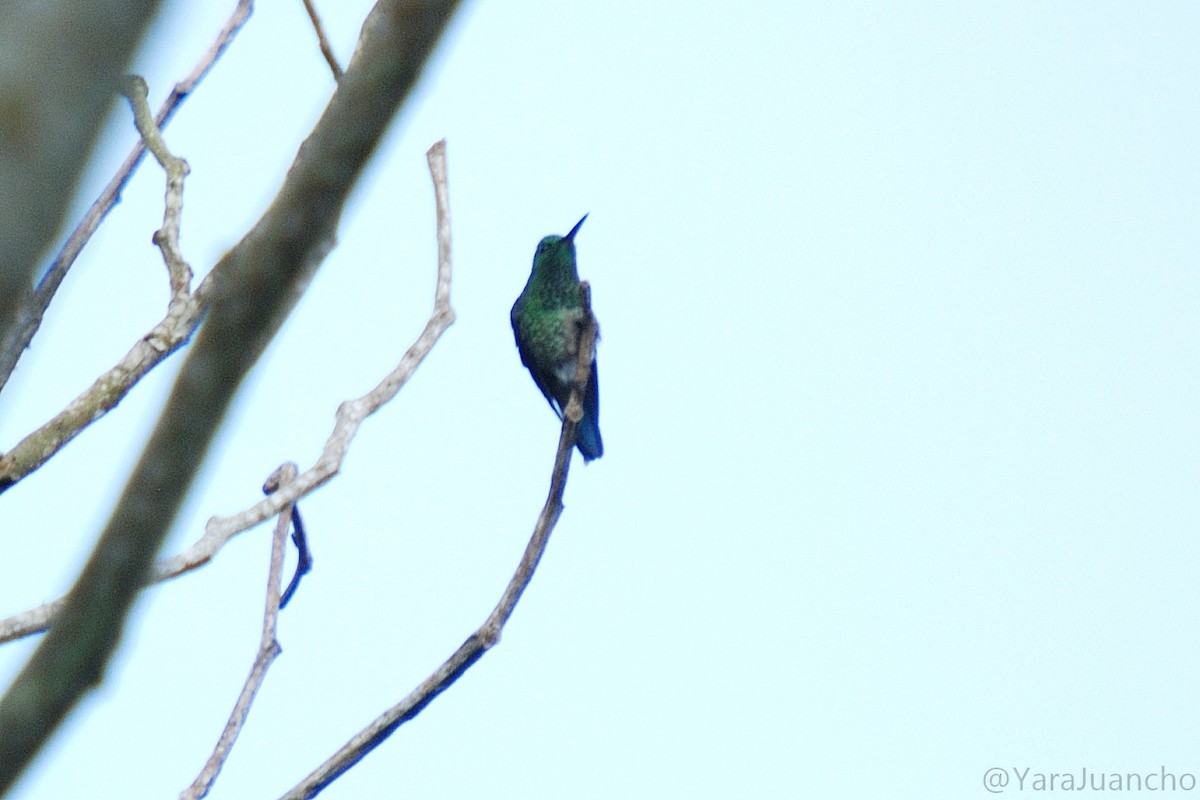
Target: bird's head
[(557, 252)]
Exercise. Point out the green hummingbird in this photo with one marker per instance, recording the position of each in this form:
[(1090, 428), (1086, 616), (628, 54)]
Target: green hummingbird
[(545, 321)]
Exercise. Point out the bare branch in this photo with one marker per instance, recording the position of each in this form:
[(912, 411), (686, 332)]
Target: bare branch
[(183, 317), (30, 318), (258, 283), (268, 646), (35, 620), (488, 634), (323, 40)]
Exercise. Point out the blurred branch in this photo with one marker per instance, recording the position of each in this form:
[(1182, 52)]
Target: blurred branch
[(60, 69), (488, 634), (268, 646), (30, 316), (323, 40), (350, 416), (257, 284)]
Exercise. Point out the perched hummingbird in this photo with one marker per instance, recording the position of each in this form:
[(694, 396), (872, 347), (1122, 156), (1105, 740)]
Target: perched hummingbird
[(545, 321)]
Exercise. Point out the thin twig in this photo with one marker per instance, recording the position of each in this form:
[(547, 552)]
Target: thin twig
[(323, 40), (350, 416), (31, 317), (488, 634), (268, 646), (304, 559), (167, 237)]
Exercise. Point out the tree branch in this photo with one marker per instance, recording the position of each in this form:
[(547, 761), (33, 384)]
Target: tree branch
[(268, 646), (488, 634), (257, 284), (50, 118)]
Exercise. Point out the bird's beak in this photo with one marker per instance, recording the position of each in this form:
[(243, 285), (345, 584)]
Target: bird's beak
[(570, 237)]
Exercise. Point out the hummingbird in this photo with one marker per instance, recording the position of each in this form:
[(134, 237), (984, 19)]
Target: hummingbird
[(545, 321)]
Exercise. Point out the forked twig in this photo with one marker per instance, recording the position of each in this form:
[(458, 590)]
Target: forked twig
[(268, 646), (184, 312), (167, 237)]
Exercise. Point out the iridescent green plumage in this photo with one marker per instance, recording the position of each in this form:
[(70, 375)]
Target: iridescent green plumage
[(545, 321)]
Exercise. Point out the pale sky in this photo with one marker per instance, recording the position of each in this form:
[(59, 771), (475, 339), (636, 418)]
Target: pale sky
[(898, 383)]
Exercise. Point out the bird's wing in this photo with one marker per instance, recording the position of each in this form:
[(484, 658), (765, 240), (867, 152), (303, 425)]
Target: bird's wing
[(543, 380)]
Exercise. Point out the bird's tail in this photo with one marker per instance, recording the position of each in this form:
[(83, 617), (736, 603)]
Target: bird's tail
[(587, 434), (587, 438)]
